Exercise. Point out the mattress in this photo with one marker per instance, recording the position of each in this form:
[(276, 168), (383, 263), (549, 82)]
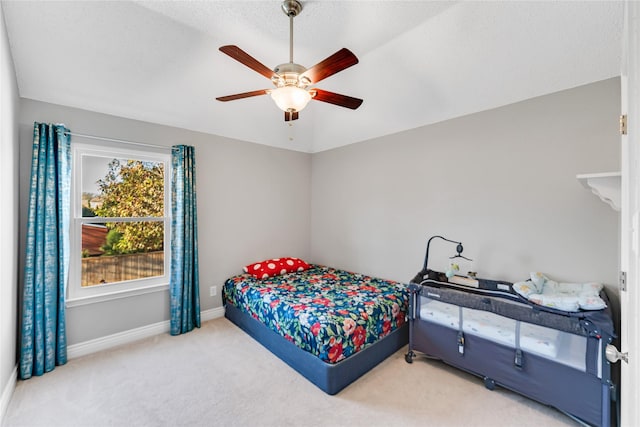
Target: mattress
[(330, 313)]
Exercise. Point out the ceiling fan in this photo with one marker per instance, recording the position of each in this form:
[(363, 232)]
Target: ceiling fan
[(293, 81)]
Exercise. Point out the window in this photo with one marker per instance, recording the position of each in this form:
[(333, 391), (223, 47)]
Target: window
[(120, 223)]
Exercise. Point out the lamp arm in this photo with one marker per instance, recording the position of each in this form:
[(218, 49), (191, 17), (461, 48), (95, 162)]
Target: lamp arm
[(426, 255)]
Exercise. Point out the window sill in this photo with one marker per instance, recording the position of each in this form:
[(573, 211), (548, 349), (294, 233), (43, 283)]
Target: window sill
[(94, 299)]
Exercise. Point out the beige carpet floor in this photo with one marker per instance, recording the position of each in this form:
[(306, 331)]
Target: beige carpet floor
[(219, 376)]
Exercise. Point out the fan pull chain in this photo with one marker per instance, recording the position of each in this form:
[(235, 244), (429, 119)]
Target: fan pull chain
[(290, 131)]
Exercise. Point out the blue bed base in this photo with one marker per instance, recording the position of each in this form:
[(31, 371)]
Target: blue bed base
[(330, 378)]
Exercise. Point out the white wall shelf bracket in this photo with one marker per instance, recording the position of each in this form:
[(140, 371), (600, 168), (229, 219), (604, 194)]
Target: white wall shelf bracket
[(604, 185)]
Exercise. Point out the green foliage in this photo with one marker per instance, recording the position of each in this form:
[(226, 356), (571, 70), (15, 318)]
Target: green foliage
[(112, 240), (133, 189), (87, 212)]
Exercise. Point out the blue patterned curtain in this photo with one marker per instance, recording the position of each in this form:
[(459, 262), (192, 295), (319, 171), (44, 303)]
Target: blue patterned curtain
[(183, 287), (43, 339)]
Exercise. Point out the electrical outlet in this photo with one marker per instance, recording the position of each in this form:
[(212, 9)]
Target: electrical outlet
[(213, 291)]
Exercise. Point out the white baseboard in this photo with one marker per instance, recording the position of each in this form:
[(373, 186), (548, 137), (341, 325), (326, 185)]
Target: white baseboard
[(212, 313), (110, 341), (7, 393), (132, 335)]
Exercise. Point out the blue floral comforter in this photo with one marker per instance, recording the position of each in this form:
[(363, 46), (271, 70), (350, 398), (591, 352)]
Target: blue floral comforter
[(328, 312)]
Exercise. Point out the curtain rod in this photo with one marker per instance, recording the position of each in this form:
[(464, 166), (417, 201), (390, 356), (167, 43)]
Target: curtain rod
[(118, 140)]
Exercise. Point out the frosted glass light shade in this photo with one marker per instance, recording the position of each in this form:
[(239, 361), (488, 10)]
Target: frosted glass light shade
[(290, 98)]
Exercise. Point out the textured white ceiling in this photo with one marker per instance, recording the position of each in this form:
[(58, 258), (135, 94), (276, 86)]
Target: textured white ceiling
[(421, 62)]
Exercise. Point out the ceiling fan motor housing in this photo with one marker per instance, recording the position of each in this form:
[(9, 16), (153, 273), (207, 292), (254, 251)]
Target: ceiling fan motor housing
[(288, 74)]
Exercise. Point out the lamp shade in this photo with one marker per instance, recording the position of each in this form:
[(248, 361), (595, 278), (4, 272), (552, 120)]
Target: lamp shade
[(290, 98)]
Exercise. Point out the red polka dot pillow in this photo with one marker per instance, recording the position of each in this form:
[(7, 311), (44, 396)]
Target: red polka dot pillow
[(275, 267)]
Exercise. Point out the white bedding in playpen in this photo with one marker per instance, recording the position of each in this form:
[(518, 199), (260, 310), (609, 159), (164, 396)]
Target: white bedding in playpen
[(562, 347)]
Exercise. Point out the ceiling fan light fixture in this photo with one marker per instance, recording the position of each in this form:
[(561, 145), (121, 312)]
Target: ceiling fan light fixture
[(291, 98), (292, 81)]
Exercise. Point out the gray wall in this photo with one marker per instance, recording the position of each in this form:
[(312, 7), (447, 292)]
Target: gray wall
[(502, 181), (9, 102), (253, 203)]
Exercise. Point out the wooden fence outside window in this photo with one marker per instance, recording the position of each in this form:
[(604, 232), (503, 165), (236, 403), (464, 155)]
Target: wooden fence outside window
[(118, 268)]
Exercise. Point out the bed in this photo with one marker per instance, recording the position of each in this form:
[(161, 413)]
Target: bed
[(488, 329), (330, 325)]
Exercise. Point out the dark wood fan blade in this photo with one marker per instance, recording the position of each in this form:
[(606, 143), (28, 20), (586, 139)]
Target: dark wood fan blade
[(243, 57), (243, 95), (337, 62), (336, 99), (289, 115)]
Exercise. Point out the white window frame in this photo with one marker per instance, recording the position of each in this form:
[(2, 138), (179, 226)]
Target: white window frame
[(78, 295)]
